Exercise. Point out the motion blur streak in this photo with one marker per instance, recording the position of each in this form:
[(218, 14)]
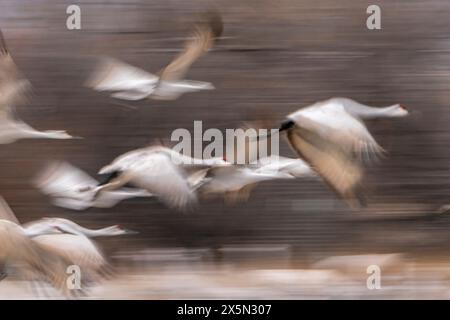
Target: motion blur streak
[(293, 238)]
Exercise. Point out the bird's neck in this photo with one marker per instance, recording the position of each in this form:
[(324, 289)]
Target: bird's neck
[(104, 232)]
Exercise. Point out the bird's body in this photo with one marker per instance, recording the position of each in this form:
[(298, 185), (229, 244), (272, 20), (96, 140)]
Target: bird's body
[(131, 83), (331, 137), (13, 86)]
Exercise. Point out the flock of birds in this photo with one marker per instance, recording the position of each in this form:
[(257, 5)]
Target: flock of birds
[(329, 137)]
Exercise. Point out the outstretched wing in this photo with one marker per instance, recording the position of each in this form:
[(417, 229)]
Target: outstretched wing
[(114, 75), (202, 40)]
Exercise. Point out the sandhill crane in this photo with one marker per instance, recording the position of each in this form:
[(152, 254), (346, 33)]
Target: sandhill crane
[(19, 252), (13, 89), (62, 182), (161, 171), (331, 137), (45, 248), (235, 183), (130, 83)]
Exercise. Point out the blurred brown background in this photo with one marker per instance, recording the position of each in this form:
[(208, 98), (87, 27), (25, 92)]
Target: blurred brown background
[(275, 57)]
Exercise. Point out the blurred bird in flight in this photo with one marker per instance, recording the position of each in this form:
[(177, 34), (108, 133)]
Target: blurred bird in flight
[(330, 135), (131, 83)]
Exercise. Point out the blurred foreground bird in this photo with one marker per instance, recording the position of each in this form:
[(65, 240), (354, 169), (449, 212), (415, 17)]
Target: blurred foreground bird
[(331, 137), (62, 182), (163, 172), (357, 265), (130, 83), (13, 90), (42, 250)]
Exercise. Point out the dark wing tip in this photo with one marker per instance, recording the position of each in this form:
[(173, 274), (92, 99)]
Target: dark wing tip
[(3, 48), (213, 20)]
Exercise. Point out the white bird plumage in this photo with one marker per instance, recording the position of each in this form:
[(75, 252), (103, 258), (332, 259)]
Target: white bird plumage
[(331, 137), (161, 171)]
